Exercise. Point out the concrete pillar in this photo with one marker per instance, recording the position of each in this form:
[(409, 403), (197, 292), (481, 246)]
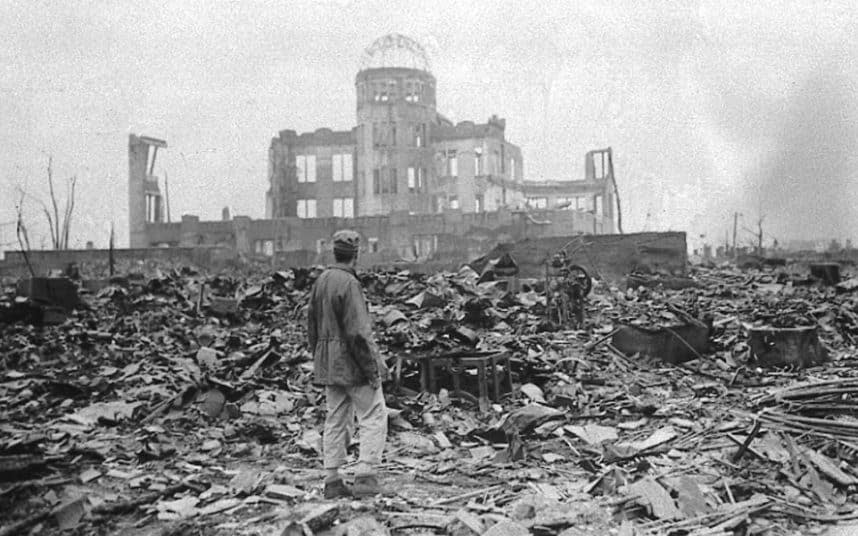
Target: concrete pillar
[(608, 217), (138, 155)]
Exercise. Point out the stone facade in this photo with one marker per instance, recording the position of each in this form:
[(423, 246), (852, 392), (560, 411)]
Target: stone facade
[(403, 156)]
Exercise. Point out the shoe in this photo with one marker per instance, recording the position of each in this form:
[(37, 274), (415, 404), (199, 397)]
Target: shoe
[(336, 489), (366, 486)]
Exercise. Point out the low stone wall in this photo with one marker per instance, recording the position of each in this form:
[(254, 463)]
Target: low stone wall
[(607, 256)]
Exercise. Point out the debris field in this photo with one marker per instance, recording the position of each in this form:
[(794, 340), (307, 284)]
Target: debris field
[(174, 402)]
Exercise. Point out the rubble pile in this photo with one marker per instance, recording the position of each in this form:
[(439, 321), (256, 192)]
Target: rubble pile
[(181, 403)]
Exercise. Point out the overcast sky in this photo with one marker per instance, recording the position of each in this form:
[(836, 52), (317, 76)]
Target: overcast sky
[(710, 107)]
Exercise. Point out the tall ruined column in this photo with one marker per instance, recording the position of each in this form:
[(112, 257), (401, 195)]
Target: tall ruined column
[(142, 189), (138, 157)]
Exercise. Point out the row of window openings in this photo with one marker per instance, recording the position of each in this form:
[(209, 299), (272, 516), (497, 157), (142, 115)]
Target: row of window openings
[(387, 92), (384, 134), (341, 167), (452, 202), (266, 247), (342, 170), (343, 207), (387, 136), (451, 159), (571, 203), (386, 180)]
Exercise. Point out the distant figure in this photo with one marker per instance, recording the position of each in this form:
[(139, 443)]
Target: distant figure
[(347, 362)]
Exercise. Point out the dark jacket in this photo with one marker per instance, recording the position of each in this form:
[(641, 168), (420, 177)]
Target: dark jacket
[(340, 331)]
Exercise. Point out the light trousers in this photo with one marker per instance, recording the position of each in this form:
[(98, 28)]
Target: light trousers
[(343, 404)]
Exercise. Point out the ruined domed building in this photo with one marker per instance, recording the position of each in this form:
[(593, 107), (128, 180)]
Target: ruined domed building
[(411, 181)]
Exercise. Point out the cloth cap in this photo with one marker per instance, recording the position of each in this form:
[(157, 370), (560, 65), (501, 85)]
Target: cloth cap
[(346, 241)]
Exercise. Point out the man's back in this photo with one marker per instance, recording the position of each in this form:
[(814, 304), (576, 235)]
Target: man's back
[(327, 297), (339, 329)]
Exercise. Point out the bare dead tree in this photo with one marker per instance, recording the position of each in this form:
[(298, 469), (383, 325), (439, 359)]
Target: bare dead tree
[(760, 234), (69, 210), (59, 225), (55, 224)]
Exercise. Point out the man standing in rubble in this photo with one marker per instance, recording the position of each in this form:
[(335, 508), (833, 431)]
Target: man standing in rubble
[(347, 362)]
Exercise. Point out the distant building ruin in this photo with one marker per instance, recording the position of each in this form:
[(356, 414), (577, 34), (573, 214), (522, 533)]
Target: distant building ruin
[(412, 182), (145, 203), (405, 156)]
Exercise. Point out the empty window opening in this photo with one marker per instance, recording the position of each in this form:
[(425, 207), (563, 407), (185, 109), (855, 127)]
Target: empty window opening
[(344, 207), (153, 208), (377, 134), (385, 181), (452, 163), (425, 245), (478, 161), (305, 166), (306, 208), (342, 167), (420, 135), (394, 181), (412, 180), (599, 165), (537, 202)]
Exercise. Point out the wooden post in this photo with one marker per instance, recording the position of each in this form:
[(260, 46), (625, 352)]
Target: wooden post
[(110, 258), (735, 224)]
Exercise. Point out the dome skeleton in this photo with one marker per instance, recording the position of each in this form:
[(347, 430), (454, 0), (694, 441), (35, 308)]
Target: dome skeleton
[(395, 50)]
